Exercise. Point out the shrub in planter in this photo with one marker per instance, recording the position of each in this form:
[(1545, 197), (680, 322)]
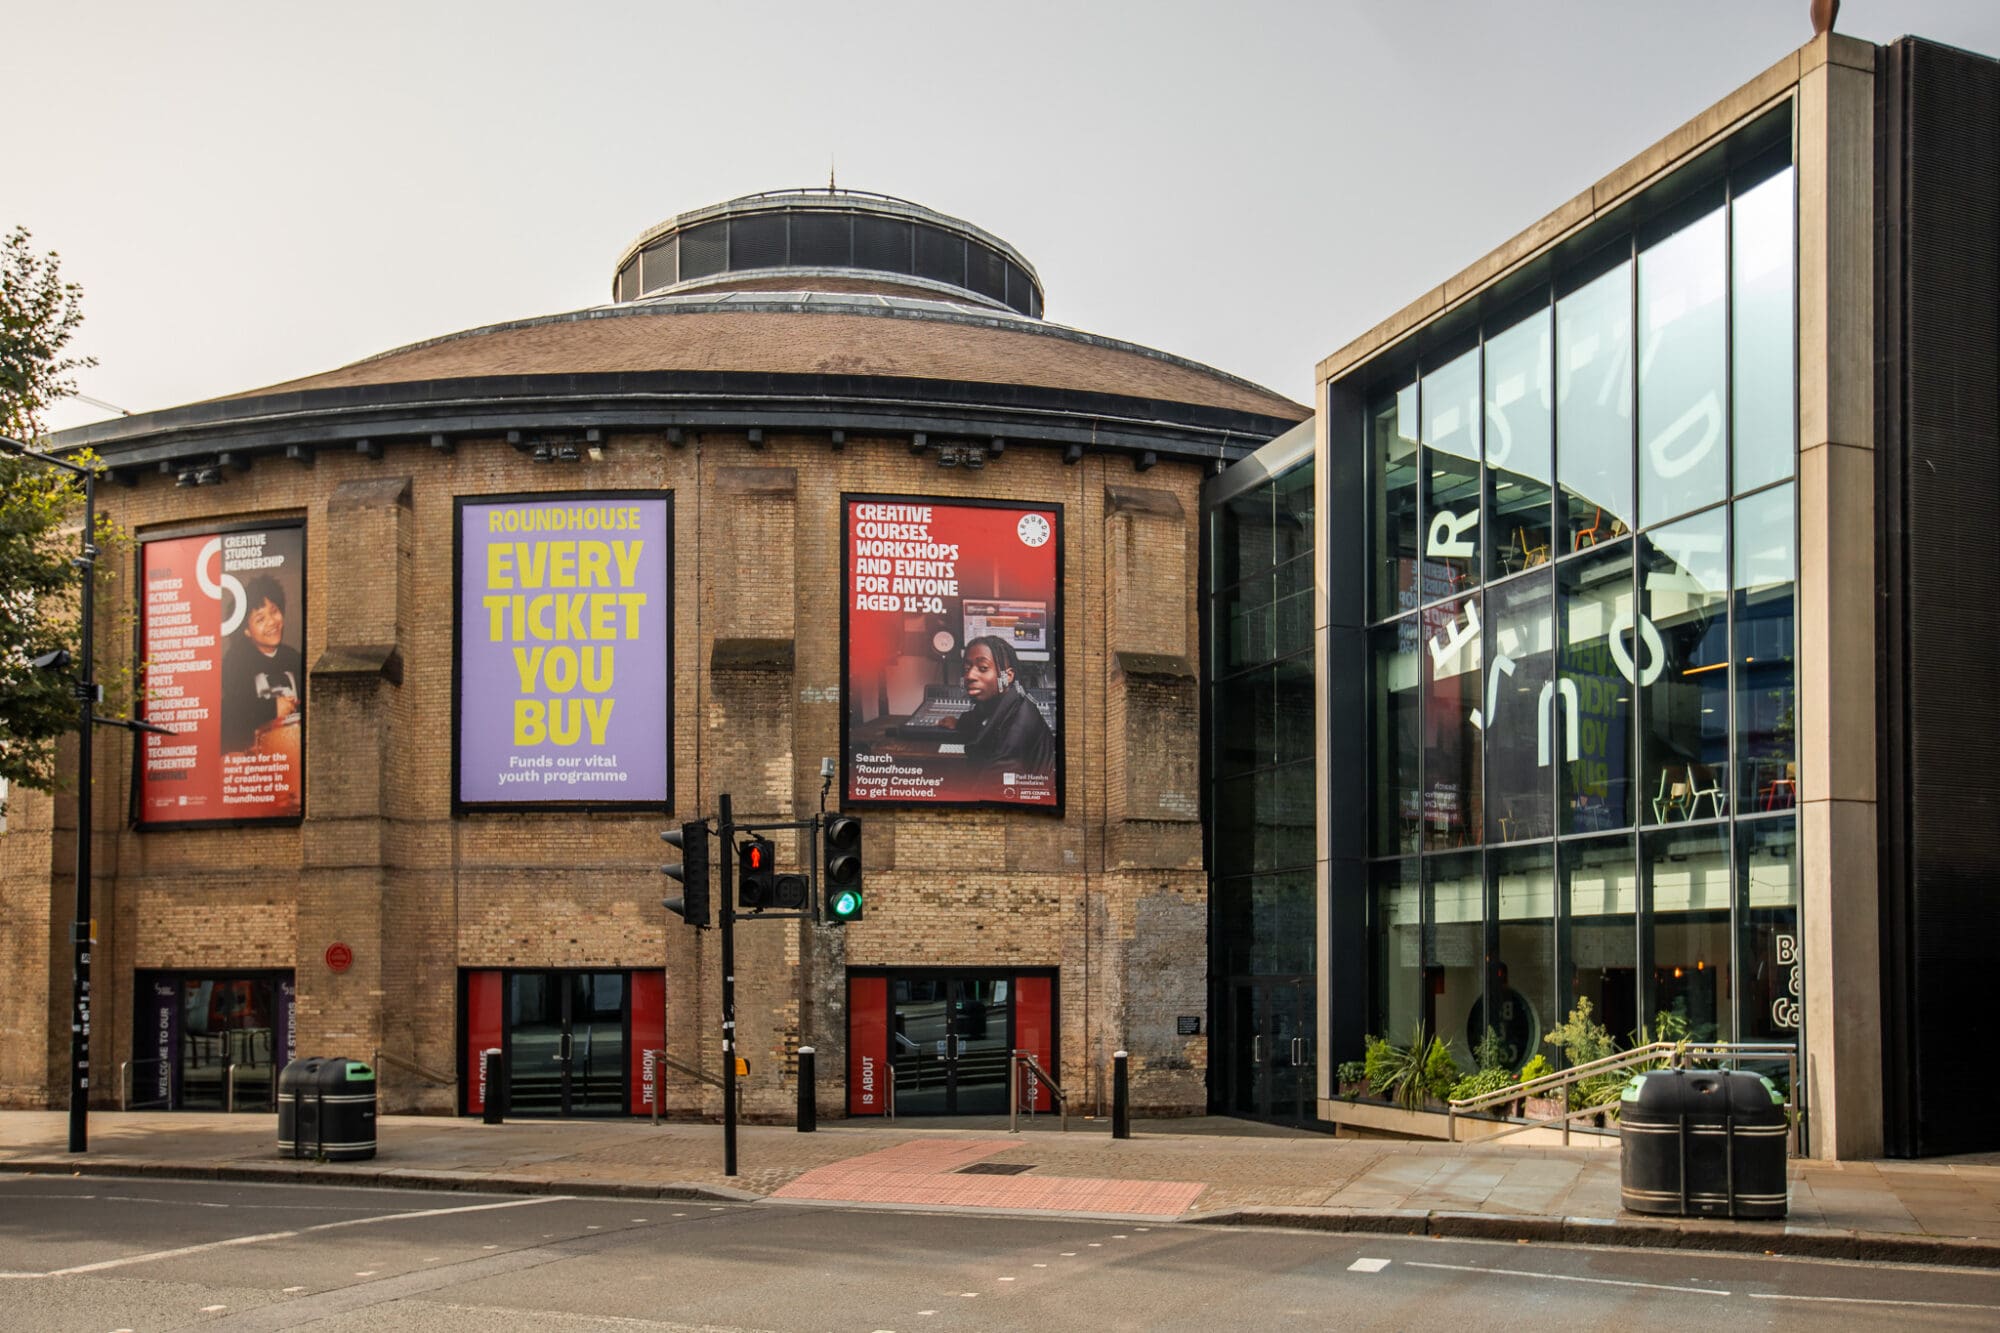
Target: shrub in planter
[(1353, 1078), (1441, 1072), (1481, 1083)]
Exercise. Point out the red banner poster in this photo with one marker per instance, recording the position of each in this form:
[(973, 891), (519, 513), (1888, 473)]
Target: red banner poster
[(868, 1071), (485, 1025), (1035, 1029), (954, 652), (221, 640), (648, 1079)]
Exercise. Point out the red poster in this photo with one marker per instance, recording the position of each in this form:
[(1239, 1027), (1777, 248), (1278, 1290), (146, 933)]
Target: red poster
[(1035, 1029), (221, 639), (485, 1025), (649, 1037), (868, 1069), (954, 652)]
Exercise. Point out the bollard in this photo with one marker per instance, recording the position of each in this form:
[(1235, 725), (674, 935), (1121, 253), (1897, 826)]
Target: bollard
[(493, 1068), (808, 1104), (1121, 1096)]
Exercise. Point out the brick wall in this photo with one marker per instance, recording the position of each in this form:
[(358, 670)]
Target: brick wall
[(1112, 893)]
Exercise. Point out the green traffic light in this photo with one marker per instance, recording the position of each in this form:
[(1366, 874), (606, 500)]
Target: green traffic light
[(845, 904)]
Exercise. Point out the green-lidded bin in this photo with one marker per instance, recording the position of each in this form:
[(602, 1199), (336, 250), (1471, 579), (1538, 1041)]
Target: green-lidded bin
[(1703, 1143), (326, 1109)]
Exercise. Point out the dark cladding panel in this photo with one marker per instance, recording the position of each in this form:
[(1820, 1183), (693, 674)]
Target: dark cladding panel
[(988, 273), (704, 250), (1940, 443), (657, 265), (822, 239), (757, 241), (940, 256), (882, 243)]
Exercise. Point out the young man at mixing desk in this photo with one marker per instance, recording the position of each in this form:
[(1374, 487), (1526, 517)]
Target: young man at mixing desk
[(1003, 731)]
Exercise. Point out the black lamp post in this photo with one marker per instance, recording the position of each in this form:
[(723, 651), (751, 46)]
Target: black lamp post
[(86, 695)]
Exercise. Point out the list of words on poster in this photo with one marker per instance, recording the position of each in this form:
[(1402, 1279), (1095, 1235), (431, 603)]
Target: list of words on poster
[(563, 651)]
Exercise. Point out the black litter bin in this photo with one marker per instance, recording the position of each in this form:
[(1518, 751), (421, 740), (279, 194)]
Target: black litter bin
[(1703, 1143), (326, 1110)]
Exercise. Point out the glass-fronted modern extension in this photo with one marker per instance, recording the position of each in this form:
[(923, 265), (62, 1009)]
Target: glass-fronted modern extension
[(1632, 636), (1581, 775)]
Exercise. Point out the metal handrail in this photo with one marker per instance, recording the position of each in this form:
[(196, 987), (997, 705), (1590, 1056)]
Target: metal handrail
[(1017, 1063), (1673, 1054), (383, 1057)]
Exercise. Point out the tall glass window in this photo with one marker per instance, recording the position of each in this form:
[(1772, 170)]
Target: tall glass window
[(1767, 771), (1767, 876), (1520, 446), (1601, 912), (1683, 372), (1393, 425), (1684, 719), (1450, 468), (1395, 914), (1688, 893), (1454, 950), (1394, 741), (1524, 990), (1524, 714), (1763, 348), (1452, 679), (1594, 409), (1603, 653)]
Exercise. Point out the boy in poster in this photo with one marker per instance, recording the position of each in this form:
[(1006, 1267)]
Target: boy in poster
[(262, 675)]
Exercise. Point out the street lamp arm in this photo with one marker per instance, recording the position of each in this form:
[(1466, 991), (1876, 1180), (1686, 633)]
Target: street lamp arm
[(134, 724), (11, 445)]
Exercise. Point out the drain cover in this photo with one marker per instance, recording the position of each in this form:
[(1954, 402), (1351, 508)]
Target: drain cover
[(996, 1168)]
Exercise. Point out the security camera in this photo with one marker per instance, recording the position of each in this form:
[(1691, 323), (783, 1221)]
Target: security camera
[(826, 768)]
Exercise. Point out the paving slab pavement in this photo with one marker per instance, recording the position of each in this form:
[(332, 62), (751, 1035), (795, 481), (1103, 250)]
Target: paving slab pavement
[(1209, 1170)]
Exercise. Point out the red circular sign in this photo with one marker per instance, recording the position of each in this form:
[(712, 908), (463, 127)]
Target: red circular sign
[(339, 957)]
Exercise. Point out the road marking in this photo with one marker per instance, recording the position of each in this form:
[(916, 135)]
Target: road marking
[(213, 1309), (291, 1290), (130, 1259), (1563, 1277), (927, 1312), (366, 1272), (968, 1294), (1868, 1300), (1069, 1254), (1006, 1279), (1368, 1265)]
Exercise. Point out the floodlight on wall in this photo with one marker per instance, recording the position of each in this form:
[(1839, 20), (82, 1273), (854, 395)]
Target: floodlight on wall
[(203, 475)]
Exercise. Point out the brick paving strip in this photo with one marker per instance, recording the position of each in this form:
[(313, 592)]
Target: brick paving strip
[(927, 1173), (1207, 1172)]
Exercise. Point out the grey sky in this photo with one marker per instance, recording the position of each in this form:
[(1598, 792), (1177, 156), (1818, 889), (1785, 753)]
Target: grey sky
[(251, 192)]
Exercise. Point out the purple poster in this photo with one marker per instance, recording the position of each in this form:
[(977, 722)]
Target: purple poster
[(282, 1024), (156, 1080), (565, 665)]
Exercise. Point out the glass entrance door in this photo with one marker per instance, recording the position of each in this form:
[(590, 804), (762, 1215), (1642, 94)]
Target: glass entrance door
[(566, 1041), (949, 1039), (1273, 1053), (227, 1036)]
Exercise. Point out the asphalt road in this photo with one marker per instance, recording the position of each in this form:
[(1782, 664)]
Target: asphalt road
[(97, 1254)]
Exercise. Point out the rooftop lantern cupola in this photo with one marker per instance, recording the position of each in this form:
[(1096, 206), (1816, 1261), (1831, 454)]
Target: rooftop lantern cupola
[(828, 240)]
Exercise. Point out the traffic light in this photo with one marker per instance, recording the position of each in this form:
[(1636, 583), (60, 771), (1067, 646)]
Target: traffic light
[(692, 871), (756, 873), (792, 891), (842, 834)]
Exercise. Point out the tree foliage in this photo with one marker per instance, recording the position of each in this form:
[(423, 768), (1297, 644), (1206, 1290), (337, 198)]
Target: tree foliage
[(39, 314)]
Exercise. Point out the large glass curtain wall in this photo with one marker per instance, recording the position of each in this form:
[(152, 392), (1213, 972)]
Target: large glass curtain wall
[(1581, 704), (1264, 838)]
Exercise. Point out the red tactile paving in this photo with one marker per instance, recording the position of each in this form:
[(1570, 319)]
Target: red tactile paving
[(923, 1173)]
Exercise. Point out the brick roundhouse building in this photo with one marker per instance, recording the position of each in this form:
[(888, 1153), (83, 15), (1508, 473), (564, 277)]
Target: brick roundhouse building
[(448, 636)]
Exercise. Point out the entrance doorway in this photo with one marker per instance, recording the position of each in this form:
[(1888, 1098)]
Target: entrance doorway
[(948, 1044), (1273, 1057), (199, 1036), (944, 1038), (566, 1043), (577, 1041)]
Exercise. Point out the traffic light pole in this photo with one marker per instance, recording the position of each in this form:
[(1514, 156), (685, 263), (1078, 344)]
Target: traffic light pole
[(726, 910)]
